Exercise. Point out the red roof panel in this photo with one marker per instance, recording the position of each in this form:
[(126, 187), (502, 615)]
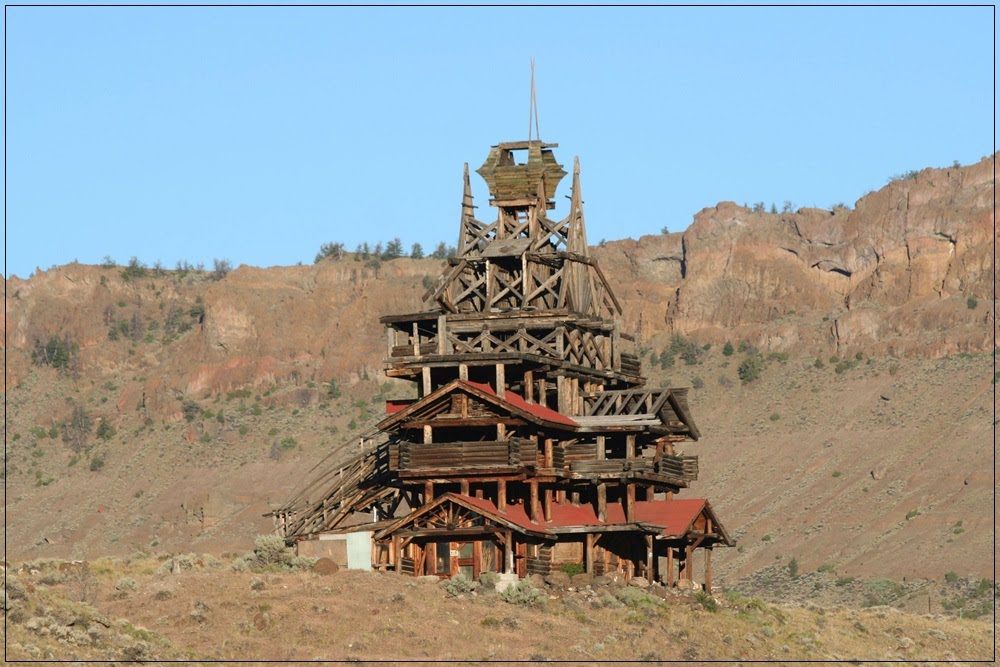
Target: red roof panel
[(674, 516), (392, 407), (539, 411)]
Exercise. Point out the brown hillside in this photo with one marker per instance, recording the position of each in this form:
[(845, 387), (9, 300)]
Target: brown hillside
[(215, 399)]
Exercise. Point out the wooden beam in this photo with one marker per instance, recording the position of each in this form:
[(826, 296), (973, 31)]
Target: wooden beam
[(529, 386), (548, 452), (630, 446), (501, 381), (501, 495), (542, 391), (601, 447), (428, 491), (463, 372), (425, 374), (398, 551), (428, 434), (547, 504)]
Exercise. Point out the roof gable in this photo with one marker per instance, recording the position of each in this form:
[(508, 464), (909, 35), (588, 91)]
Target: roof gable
[(483, 402)]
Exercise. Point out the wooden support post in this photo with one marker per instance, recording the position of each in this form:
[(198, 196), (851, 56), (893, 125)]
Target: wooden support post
[(649, 559), (650, 492), (442, 334), (602, 501), (588, 552), (416, 340), (428, 491), (398, 551), (501, 381), (390, 340), (529, 386), (548, 452), (547, 504), (574, 497), (616, 346), (479, 492), (561, 496), (670, 565), (428, 434), (463, 372), (501, 431), (708, 569), (688, 569), (425, 375), (463, 487), (542, 390), (562, 395), (629, 503), (630, 446), (533, 510), (502, 495), (601, 446)]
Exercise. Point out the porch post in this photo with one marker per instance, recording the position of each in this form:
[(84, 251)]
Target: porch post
[(708, 569), (602, 501), (670, 565), (533, 488), (649, 558), (589, 552), (508, 548)]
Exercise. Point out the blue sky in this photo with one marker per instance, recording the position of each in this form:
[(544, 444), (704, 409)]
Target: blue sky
[(256, 134)]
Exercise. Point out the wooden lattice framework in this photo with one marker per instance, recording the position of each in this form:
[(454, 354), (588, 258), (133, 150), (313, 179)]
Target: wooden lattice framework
[(531, 404)]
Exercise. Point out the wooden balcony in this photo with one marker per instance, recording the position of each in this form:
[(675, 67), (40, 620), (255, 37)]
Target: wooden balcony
[(462, 456), (677, 467), (580, 342)]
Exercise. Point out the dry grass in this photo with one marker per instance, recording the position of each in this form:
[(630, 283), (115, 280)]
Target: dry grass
[(214, 613)]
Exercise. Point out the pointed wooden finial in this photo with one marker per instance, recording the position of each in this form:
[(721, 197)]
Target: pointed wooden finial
[(577, 229)]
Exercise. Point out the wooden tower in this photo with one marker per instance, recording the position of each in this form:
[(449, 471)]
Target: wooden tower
[(533, 442)]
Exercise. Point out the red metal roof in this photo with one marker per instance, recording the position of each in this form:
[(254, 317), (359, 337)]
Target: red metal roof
[(518, 402), (674, 516)]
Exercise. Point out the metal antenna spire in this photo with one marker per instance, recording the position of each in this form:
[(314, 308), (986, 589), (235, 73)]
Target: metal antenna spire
[(533, 105)]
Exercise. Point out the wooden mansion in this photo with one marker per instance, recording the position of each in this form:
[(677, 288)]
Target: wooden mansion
[(534, 442)]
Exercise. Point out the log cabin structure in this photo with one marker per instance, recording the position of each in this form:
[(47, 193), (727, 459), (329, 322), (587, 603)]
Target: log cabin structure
[(533, 442)]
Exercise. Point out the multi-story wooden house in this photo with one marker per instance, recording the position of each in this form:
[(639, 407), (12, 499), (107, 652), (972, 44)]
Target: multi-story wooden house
[(533, 442)]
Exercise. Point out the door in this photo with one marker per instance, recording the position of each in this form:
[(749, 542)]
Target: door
[(464, 560)]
